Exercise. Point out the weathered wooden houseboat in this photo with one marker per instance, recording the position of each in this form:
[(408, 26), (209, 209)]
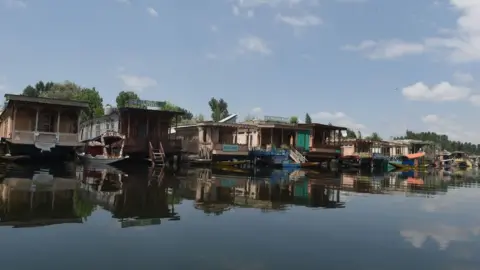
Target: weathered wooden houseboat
[(214, 141), (40, 127), (321, 142), (145, 125)]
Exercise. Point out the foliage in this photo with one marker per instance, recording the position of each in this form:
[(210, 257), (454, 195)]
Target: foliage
[(351, 134), (124, 96), (83, 208), (442, 141), (219, 109), (69, 91), (308, 119), (200, 118), (359, 135), (374, 137), (39, 88), (293, 120), (187, 115)]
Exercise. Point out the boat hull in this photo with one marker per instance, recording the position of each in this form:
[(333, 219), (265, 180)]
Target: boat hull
[(31, 152), (100, 160)]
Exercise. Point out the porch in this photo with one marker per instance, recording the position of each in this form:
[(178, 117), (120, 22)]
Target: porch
[(325, 141), (281, 136), (28, 120)]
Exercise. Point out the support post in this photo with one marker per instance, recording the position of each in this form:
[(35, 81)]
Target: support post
[(36, 119), (14, 120), (271, 137), (128, 127), (58, 121)]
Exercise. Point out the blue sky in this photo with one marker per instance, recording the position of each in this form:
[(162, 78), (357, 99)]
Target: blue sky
[(368, 64)]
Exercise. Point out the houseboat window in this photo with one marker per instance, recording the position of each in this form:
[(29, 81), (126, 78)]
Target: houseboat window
[(107, 124), (97, 129)]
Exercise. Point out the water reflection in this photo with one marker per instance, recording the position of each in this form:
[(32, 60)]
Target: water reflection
[(431, 217)]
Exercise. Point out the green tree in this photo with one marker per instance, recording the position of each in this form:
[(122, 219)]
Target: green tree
[(374, 137), (39, 88), (95, 102), (351, 134), (67, 90), (442, 141), (308, 119), (293, 120), (124, 96), (200, 118), (219, 109)]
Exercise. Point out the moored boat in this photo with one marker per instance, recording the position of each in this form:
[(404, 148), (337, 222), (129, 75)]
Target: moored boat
[(104, 149)]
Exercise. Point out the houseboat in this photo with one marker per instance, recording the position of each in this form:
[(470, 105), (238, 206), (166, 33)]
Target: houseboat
[(37, 128), (320, 143), (461, 160), (215, 141), (145, 125)]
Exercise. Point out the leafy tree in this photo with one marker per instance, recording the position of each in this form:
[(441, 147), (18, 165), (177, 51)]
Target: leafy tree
[(308, 119), (95, 101), (124, 96), (374, 137), (351, 134), (359, 135), (442, 141), (200, 118), (67, 90), (293, 120), (39, 88), (219, 109)]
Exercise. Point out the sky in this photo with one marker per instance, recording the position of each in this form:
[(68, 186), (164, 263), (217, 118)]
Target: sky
[(371, 65)]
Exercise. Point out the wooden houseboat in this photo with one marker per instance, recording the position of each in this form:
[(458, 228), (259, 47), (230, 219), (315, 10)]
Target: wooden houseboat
[(40, 127), (145, 125), (215, 141), (320, 142), (104, 149)]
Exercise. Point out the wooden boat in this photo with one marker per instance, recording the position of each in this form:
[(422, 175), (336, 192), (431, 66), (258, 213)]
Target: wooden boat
[(406, 161), (461, 160), (104, 149)]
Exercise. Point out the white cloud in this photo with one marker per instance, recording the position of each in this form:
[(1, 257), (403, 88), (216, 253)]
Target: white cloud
[(257, 110), (338, 119), (250, 13), (463, 44), (475, 100), (235, 10), (152, 12), (137, 83), (16, 3), (463, 78), (443, 235), (271, 3), (253, 44), (211, 56), (455, 128), (303, 21), (386, 49), (443, 91), (213, 28), (124, 1)]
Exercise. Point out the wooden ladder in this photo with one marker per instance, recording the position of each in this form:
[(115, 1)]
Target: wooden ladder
[(157, 156), (157, 174)]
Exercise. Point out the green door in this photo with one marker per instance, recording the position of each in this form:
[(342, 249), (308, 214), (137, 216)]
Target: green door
[(303, 139)]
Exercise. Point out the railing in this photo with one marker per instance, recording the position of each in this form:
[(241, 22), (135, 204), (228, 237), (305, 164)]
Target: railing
[(297, 156), (44, 137)]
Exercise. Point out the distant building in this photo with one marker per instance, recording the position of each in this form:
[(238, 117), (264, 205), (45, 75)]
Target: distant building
[(95, 127)]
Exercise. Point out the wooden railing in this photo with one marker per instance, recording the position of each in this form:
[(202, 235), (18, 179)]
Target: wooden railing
[(44, 137)]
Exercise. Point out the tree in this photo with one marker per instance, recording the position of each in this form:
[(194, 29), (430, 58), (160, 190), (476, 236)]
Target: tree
[(351, 134), (66, 90), (200, 118), (39, 88), (308, 119), (441, 141), (124, 96), (219, 109), (374, 137), (359, 135), (293, 120), (95, 102)]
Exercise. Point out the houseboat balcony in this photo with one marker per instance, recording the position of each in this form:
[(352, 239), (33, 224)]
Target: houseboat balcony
[(31, 137)]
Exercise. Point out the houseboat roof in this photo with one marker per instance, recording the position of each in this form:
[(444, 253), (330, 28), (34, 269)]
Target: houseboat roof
[(314, 125), (159, 111), (280, 125), (225, 124), (51, 101)]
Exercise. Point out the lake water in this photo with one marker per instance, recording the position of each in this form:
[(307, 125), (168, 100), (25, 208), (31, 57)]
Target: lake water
[(72, 217)]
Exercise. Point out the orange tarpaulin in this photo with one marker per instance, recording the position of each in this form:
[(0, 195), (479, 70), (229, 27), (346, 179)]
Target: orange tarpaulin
[(414, 181), (415, 155)]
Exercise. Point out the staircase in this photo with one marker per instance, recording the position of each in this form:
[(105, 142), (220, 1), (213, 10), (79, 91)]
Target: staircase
[(157, 156), (296, 156)]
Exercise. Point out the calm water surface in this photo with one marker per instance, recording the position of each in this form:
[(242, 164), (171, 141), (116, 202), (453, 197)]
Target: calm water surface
[(72, 217)]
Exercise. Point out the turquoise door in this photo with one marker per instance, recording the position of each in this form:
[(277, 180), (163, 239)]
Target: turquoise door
[(303, 140)]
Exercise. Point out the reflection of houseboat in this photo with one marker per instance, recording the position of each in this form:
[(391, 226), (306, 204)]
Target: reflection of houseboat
[(40, 127), (39, 201)]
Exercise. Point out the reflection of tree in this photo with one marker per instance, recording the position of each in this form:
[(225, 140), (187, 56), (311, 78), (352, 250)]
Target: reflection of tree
[(82, 208)]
